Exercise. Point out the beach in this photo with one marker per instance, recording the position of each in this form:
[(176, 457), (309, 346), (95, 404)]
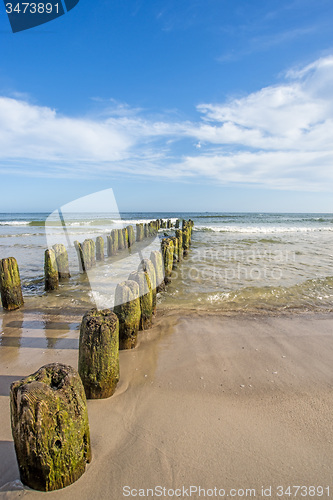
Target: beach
[(207, 400), (230, 391)]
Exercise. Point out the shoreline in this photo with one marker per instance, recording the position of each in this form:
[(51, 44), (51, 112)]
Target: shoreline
[(205, 398)]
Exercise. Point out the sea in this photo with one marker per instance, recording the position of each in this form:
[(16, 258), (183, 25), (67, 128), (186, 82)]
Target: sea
[(238, 262)]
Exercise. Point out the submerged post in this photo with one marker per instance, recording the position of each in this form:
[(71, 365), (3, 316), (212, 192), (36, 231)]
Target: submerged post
[(50, 427), (10, 284), (127, 308), (99, 353), (62, 261), (51, 271)]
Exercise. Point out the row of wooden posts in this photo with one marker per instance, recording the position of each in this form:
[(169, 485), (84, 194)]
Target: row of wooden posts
[(48, 409)]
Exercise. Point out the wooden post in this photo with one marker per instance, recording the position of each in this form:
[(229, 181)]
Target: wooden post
[(127, 308), (99, 353), (146, 297), (125, 235), (179, 236), (99, 248), (147, 266), (139, 232), (167, 253), (146, 231), (62, 261), (51, 271), (121, 242), (157, 260), (115, 242), (175, 250), (10, 284), (131, 236), (79, 251), (50, 427), (186, 240)]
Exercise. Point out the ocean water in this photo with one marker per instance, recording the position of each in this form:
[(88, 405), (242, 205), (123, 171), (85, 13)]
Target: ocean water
[(237, 262)]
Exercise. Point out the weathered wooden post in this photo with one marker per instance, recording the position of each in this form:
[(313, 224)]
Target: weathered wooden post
[(169, 224), (50, 427), (147, 266), (109, 245), (99, 353), (186, 241), (175, 250), (125, 235), (99, 248), (177, 224), (146, 231), (158, 224), (131, 236), (88, 250), (10, 284), (157, 260), (146, 297), (115, 242), (179, 236), (79, 251), (127, 308), (50, 271), (121, 242), (139, 232), (62, 261), (167, 253)]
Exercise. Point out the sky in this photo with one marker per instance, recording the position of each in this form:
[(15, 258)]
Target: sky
[(177, 105)]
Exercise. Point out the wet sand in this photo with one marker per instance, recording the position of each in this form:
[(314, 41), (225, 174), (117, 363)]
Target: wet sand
[(204, 400)]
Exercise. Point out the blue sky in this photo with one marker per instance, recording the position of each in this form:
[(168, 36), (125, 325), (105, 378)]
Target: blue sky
[(176, 105)]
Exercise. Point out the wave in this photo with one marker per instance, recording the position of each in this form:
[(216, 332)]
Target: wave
[(14, 223), (262, 229)]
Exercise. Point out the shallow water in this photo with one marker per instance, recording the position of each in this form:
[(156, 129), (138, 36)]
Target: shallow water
[(237, 262)]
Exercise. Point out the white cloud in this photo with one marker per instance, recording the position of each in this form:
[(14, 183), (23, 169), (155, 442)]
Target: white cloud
[(279, 137)]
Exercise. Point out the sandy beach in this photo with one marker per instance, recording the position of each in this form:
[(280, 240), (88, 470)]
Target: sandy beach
[(204, 400)]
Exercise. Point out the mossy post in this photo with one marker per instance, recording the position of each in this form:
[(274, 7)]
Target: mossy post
[(131, 236), (167, 253), (177, 224), (62, 261), (99, 353), (175, 250), (10, 284), (50, 427), (148, 267), (169, 224), (158, 224), (50, 271), (92, 253), (127, 308), (157, 260), (186, 241), (139, 232), (88, 251), (179, 236), (146, 231), (163, 224), (121, 241), (109, 246), (146, 297), (99, 248), (79, 251)]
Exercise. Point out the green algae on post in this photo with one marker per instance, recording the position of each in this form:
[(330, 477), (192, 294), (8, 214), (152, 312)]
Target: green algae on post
[(99, 248), (99, 353), (10, 284), (50, 427), (146, 297), (114, 239), (148, 267), (131, 236), (157, 260), (179, 236), (125, 235), (127, 308), (146, 231), (62, 261), (167, 253), (50, 271)]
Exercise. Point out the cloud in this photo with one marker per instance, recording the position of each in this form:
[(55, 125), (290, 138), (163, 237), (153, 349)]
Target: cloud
[(279, 137)]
